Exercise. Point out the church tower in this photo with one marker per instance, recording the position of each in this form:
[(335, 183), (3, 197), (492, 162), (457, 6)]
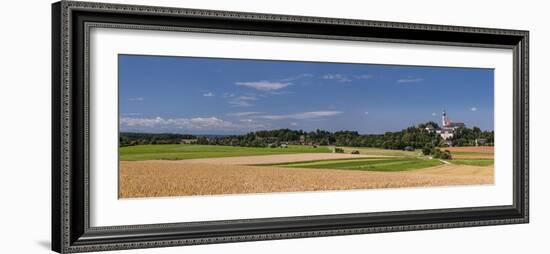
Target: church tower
[(445, 119)]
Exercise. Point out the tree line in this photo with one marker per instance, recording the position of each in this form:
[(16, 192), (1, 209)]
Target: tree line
[(133, 138), (414, 136)]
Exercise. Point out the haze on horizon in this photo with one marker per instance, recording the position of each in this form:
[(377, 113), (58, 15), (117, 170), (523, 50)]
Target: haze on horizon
[(159, 94)]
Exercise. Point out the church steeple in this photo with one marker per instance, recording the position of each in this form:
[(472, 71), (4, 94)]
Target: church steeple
[(444, 119)]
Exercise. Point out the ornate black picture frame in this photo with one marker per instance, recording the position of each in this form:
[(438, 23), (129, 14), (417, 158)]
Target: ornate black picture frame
[(71, 231)]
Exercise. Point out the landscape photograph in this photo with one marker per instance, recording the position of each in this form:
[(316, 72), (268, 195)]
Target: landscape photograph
[(193, 126)]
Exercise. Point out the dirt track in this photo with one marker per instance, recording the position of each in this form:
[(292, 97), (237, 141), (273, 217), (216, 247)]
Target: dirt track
[(194, 177)]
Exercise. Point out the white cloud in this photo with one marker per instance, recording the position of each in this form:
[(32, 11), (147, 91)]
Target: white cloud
[(243, 113), (242, 101), (302, 115), (238, 103), (293, 124), (473, 109), (279, 92), (209, 94), (434, 114), (410, 80), (197, 123), (344, 78), (130, 114), (247, 98), (264, 85), (160, 124), (136, 99), (297, 77), (336, 77), (366, 112)]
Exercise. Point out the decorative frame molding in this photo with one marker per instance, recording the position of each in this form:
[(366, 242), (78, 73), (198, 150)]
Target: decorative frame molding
[(71, 22)]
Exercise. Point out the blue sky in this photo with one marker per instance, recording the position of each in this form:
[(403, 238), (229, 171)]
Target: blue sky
[(234, 96)]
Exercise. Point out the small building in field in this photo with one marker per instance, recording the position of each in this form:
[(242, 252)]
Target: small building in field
[(446, 133), (302, 139), (429, 128), (448, 142), (480, 141)]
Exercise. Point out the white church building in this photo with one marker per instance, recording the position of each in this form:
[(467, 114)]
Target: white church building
[(447, 129)]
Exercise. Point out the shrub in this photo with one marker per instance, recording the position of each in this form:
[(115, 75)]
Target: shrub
[(427, 150), (438, 154), (338, 150)]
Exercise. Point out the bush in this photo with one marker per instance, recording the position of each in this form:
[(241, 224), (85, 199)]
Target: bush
[(438, 154), (427, 150), (338, 150)]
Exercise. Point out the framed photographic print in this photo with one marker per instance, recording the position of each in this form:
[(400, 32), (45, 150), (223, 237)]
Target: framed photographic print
[(181, 126)]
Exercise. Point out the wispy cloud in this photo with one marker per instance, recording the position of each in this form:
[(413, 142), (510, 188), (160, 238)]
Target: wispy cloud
[(302, 115), (278, 93), (410, 80), (247, 98), (473, 109), (228, 95), (197, 123), (209, 94), (297, 77), (246, 120), (434, 114), (136, 99), (239, 103), (130, 114), (366, 112), (244, 113), (212, 123), (345, 78), (242, 101), (336, 77), (264, 85)]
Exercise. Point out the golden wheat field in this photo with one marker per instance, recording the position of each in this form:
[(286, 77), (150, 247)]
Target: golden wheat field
[(163, 178), (473, 149), (472, 152)]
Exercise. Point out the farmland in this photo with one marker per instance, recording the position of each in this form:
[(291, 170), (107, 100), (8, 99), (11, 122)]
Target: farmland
[(368, 164), (181, 169), (184, 152), (183, 178)]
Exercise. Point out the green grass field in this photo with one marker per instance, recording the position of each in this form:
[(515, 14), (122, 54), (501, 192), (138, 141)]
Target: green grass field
[(380, 151), (368, 164), (404, 160), (473, 162), (183, 151)]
